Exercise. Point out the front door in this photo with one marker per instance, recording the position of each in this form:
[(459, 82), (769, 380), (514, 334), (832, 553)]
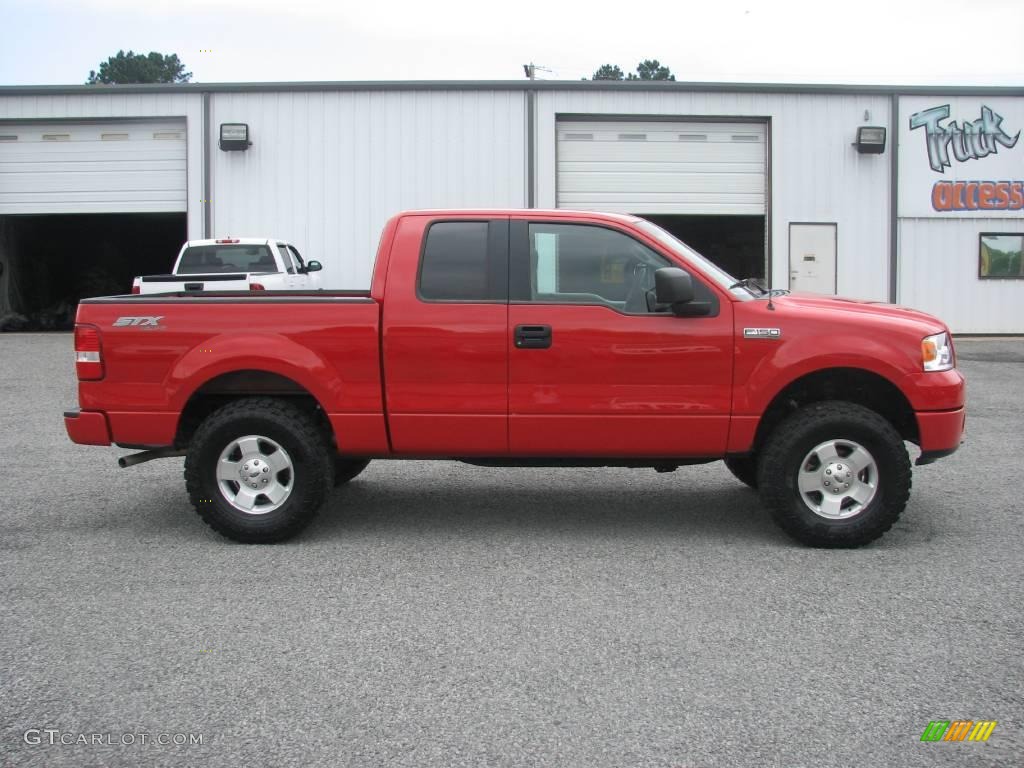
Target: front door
[(594, 369)]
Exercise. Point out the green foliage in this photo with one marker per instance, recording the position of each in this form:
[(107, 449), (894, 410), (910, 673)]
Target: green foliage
[(608, 72), (648, 69), (651, 69), (134, 67)]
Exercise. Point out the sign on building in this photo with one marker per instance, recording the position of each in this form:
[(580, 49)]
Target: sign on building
[(961, 157)]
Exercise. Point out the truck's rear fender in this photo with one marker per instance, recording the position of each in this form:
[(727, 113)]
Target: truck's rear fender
[(230, 366)]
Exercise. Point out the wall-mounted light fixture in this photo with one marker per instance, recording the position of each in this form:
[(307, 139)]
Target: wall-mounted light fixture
[(234, 136), (870, 140)]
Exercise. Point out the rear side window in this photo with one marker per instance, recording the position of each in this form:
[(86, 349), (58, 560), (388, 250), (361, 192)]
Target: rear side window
[(456, 267)]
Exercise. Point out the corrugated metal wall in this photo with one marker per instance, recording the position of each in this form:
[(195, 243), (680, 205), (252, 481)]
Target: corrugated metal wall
[(815, 174), (327, 169), (938, 272), (129, 105)]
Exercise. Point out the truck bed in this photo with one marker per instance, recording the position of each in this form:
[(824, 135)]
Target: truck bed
[(160, 350)]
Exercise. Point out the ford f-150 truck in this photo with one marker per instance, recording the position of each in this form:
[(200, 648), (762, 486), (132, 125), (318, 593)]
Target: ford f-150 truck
[(523, 338), (234, 264)]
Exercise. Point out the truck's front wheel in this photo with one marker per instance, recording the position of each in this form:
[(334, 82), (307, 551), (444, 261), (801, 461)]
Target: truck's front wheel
[(257, 470), (835, 474)]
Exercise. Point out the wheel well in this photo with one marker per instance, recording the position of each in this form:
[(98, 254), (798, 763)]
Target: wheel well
[(236, 385), (853, 385)]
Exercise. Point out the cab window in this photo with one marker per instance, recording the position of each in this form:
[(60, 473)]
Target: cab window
[(584, 264)]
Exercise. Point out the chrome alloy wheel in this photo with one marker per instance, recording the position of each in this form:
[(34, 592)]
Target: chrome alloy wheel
[(838, 479), (255, 475)]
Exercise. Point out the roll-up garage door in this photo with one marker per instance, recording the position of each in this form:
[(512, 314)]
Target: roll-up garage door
[(110, 167), (662, 167)]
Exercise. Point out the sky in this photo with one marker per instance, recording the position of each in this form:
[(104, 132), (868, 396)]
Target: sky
[(910, 42)]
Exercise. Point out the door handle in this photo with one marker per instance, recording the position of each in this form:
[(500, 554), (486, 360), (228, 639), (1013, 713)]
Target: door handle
[(533, 336)]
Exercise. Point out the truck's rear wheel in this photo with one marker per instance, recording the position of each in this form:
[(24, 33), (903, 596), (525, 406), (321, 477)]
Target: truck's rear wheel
[(257, 470), (348, 469), (835, 474), (743, 468)]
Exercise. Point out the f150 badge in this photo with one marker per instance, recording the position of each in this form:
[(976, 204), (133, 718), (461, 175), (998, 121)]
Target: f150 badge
[(762, 333), (143, 322)]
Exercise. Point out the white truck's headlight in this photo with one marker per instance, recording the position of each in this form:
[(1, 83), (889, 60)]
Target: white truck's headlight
[(937, 352)]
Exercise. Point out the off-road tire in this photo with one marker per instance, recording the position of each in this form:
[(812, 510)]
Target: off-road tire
[(743, 468), (799, 433), (294, 430), (348, 469)]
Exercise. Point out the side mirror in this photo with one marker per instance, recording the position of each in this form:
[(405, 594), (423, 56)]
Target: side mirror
[(313, 266), (672, 286)]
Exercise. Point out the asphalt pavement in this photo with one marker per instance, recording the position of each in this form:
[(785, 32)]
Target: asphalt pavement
[(437, 614)]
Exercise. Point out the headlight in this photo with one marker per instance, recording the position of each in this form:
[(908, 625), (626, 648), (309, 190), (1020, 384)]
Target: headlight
[(937, 352)]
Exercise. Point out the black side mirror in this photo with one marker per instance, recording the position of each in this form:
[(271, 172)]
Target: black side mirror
[(313, 266), (674, 287)]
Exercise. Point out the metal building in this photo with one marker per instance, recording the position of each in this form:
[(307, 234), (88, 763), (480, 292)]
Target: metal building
[(784, 181)]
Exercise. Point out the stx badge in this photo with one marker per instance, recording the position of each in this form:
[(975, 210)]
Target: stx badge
[(144, 322), (762, 333)]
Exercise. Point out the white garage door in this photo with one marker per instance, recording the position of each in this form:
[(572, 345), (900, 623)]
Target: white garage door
[(662, 167), (112, 167)]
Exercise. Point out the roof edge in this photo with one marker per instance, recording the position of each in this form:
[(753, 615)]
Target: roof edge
[(512, 85)]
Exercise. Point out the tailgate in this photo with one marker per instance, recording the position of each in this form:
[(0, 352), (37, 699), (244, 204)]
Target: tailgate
[(236, 281)]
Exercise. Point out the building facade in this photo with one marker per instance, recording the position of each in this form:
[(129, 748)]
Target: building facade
[(768, 181)]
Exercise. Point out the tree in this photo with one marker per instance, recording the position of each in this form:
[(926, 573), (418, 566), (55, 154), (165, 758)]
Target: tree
[(134, 67), (648, 69), (651, 69), (608, 72)]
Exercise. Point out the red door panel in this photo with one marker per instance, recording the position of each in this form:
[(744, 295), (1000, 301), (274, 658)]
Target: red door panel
[(620, 385), (616, 376), (445, 362)]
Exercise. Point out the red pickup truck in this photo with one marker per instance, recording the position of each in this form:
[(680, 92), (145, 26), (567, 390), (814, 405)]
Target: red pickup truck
[(523, 338)]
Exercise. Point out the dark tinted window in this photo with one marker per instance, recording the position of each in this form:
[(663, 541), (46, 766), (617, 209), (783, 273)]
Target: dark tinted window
[(455, 265), (226, 258)]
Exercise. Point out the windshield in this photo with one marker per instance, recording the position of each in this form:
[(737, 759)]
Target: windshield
[(716, 273), (226, 258)]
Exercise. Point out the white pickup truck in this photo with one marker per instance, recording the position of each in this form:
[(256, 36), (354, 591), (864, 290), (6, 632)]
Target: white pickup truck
[(235, 264)]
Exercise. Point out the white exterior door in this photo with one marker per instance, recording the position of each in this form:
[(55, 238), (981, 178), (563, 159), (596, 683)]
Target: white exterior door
[(660, 167), (129, 166), (812, 258)]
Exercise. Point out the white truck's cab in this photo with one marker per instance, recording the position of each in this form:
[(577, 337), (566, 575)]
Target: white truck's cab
[(235, 264)]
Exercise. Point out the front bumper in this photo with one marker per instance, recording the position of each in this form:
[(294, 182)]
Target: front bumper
[(87, 427), (941, 433)]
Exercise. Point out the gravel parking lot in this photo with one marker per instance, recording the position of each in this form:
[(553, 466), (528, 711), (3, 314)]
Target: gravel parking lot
[(443, 615)]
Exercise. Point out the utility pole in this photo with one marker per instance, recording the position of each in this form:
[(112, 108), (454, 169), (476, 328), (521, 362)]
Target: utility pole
[(532, 69)]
